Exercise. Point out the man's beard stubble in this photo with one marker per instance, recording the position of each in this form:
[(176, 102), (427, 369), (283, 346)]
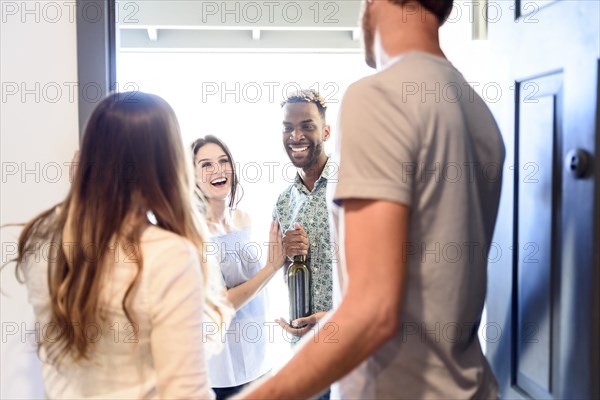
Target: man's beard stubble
[(312, 159), (368, 36)]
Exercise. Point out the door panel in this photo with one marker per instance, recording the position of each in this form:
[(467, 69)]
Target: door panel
[(546, 295), (538, 215)]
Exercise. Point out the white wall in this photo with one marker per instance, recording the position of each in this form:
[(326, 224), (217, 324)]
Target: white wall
[(39, 134)]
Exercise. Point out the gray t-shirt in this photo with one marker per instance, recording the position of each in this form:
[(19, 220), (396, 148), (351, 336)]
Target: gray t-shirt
[(417, 134)]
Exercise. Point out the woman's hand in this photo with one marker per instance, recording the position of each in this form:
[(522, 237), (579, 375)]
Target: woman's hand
[(243, 293), (276, 257)]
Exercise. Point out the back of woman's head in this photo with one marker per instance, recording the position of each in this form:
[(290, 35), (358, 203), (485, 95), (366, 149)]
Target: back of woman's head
[(132, 162)]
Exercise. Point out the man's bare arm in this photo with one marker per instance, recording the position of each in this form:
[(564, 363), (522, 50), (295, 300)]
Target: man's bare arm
[(375, 236)]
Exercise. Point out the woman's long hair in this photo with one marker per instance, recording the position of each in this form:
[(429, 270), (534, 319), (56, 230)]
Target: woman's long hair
[(132, 162)]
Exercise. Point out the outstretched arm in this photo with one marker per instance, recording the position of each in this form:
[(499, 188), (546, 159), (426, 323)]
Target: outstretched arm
[(243, 293), (375, 234)]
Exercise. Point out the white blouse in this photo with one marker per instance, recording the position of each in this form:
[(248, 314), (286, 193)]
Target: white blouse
[(244, 354), (162, 355)]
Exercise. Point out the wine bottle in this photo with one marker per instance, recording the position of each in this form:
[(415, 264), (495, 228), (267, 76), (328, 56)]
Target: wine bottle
[(299, 278)]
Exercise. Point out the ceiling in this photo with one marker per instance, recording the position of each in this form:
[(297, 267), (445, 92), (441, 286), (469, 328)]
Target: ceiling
[(231, 25)]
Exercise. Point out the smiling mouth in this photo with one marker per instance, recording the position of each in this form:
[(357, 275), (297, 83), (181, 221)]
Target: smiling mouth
[(298, 149), (219, 182)]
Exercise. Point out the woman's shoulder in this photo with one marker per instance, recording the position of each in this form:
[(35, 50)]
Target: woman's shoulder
[(241, 219), (161, 241), (156, 233)]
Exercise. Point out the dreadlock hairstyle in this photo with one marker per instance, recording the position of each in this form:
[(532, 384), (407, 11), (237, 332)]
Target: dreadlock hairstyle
[(307, 96)]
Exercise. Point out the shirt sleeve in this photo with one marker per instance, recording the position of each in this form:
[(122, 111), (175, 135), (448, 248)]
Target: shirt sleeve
[(274, 214), (176, 312), (378, 146)]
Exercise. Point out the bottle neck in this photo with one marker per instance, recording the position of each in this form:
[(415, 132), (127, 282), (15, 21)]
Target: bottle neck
[(299, 259)]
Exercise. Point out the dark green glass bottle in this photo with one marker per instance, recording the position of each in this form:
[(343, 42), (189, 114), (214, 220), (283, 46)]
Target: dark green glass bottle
[(299, 278)]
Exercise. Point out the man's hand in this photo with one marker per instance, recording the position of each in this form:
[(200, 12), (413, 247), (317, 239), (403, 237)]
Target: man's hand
[(306, 323), (295, 241)]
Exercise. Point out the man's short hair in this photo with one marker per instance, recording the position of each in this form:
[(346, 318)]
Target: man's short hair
[(307, 96), (440, 8)]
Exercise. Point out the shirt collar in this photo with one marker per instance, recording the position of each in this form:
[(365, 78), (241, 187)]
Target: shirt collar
[(329, 172)]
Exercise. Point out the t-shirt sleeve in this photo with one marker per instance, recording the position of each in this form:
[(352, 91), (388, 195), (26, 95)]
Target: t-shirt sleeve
[(176, 312), (378, 146)]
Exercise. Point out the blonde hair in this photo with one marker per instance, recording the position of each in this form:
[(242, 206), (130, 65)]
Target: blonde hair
[(132, 162)]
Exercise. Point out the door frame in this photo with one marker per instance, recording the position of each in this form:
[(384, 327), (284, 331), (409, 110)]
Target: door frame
[(96, 54)]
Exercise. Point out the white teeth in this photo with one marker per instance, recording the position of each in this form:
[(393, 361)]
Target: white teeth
[(218, 181), (298, 149)]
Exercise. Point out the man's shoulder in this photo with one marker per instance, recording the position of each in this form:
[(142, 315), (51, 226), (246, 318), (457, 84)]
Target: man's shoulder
[(367, 83), (285, 194), (410, 68), (241, 219), (379, 85), (287, 190)]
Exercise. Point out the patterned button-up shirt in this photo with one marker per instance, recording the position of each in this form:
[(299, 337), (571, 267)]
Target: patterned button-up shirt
[(309, 209)]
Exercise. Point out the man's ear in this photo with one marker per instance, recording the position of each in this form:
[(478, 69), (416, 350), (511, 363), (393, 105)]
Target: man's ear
[(326, 133)]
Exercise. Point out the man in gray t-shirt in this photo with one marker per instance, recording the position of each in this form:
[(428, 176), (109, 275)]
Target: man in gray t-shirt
[(421, 160)]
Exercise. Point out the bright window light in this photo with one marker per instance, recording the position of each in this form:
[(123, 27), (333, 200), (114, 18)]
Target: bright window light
[(236, 97)]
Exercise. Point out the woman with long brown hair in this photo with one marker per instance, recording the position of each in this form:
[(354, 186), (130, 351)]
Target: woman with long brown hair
[(124, 295), (243, 358)]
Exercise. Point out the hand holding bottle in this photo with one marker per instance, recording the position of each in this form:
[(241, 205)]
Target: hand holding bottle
[(295, 241), (306, 323)]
